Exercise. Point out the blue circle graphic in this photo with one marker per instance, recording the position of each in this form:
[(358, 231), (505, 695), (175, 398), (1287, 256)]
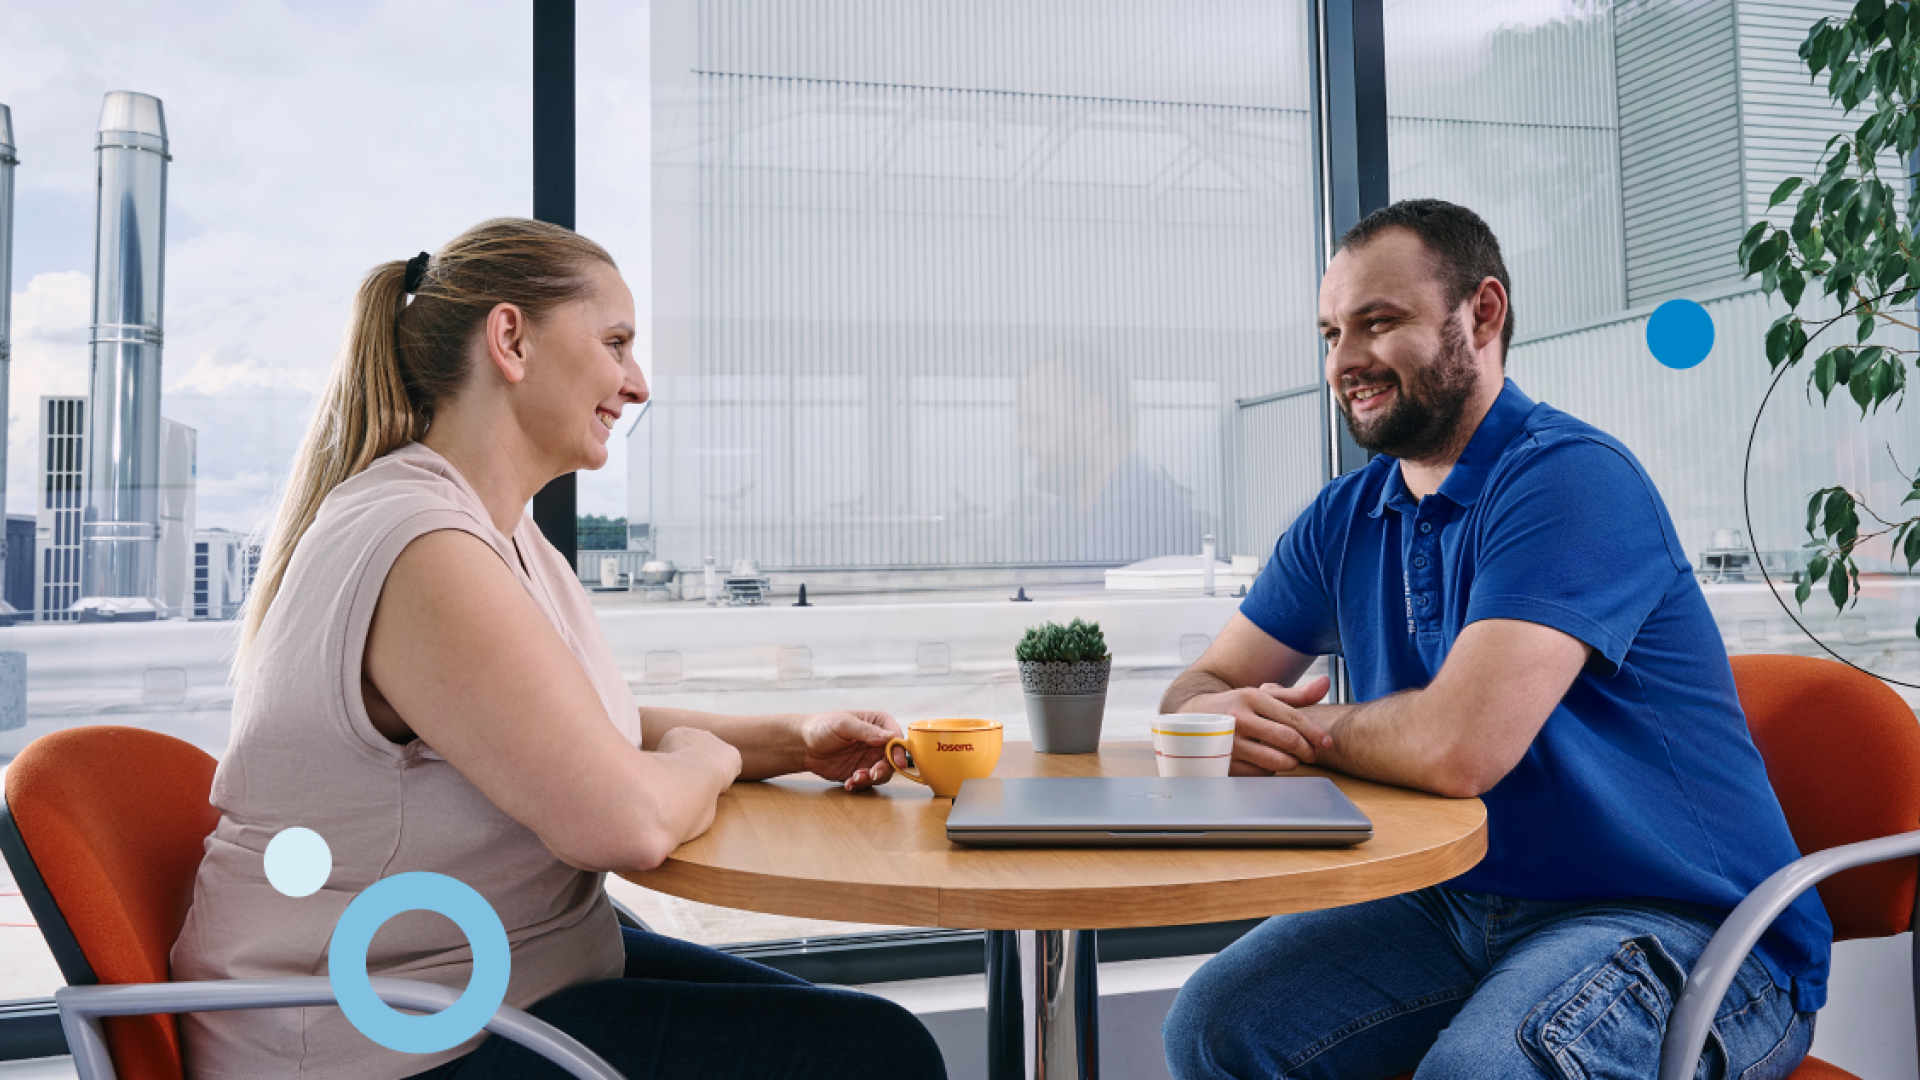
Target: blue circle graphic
[(1680, 333), (347, 962), (298, 862)]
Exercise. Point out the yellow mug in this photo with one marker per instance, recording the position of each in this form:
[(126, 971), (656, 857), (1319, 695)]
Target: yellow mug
[(948, 751)]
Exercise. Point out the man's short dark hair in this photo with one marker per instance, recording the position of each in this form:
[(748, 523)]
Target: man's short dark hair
[(1465, 252)]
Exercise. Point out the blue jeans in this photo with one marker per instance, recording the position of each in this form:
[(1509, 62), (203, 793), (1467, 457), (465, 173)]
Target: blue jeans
[(1465, 985), (684, 1010)]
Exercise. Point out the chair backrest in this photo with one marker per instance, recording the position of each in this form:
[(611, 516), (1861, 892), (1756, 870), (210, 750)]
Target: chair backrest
[(1843, 753), (113, 819)]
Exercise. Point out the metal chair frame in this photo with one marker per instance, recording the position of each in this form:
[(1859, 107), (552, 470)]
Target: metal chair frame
[(1713, 973), (84, 1002)]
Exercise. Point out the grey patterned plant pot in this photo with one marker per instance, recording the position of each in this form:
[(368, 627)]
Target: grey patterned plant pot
[(1065, 703)]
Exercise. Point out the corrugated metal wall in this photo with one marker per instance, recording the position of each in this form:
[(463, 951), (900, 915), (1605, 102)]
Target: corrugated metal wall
[(1510, 112), (1679, 146), (1787, 118), (1274, 436), (1690, 428), (956, 286)]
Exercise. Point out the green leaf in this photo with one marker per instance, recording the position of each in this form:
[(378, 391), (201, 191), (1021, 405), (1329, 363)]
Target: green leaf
[(1896, 25), (1777, 336), (1813, 245), (1883, 376), (1867, 325), (1796, 342), (1843, 362), (1823, 376), (1813, 508), (1817, 568), (1838, 503), (1804, 590), (1751, 241), (1862, 390), (1866, 11), (1840, 192), (1792, 284), (1912, 548), (1787, 187), (1837, 587), (1768, 252)]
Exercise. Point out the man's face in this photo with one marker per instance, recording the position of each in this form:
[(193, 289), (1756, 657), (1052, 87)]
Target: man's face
[(1398, 359)]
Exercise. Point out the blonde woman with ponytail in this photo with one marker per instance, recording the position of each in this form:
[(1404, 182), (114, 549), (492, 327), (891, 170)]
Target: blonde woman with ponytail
[(422, 682)]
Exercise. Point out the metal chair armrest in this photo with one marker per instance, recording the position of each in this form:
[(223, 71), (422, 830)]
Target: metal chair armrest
[(82, 1007), (1708, 981)]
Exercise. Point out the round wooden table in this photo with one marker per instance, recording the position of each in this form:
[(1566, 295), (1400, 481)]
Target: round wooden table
[(805, 848)]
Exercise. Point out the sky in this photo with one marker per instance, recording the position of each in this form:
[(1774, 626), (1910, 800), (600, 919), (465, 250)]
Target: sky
[(310, 141)]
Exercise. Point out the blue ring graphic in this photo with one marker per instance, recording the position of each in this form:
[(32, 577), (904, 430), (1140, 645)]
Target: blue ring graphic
[(353, 934)]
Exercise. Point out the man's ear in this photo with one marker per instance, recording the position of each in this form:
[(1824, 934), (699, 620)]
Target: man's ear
[(1487, 312), (505, 334)]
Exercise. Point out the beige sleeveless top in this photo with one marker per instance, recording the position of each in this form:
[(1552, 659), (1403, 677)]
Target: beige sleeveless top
[(303, 752)]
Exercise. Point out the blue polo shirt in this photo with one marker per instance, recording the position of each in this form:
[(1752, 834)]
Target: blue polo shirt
[(1644, 782)]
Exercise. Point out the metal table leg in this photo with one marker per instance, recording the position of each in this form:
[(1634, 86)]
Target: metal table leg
[(1046, 982)]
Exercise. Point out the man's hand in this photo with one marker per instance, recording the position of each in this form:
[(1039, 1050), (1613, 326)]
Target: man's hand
[(1271, 735), (848, 747)]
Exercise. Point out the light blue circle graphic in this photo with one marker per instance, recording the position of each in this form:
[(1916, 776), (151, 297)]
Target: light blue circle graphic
[(347, 962), (1680, 333), (298, 862)]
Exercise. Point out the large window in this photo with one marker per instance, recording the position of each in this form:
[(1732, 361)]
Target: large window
[(1620, 152), (948, 302), (309, 142)]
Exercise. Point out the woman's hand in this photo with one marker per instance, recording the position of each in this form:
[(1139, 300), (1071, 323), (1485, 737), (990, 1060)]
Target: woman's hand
[(848, 747)]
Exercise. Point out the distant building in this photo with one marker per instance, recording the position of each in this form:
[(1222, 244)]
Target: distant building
[(56, 548), (20, 563), (56, 567), (224, 565), (175, 572)]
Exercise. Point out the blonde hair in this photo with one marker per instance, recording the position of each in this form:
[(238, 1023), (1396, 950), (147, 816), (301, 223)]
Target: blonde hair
[(402, 360)]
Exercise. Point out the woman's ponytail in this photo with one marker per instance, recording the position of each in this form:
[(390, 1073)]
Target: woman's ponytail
[(363, 414)]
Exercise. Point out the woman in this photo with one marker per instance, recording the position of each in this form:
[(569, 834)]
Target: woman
[(422, 682)]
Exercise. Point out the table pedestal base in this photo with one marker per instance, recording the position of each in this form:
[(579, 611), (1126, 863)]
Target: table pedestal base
[(1043, 1005)]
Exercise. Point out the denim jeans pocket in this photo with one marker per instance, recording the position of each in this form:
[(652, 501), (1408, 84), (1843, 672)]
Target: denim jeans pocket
[(1609, 1020)]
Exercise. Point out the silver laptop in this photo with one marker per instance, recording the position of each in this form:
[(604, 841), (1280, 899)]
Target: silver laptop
[(1156, 811)]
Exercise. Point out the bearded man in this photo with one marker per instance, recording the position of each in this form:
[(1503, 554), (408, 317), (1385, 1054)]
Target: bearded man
[(1520, 625)]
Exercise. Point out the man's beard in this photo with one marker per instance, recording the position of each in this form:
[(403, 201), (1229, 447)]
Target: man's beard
[(1423, 421)]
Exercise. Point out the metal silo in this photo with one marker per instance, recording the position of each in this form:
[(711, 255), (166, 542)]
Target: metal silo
[(121, 515)]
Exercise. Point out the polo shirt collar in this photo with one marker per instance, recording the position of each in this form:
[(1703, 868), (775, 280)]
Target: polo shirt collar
[(1469, 474)]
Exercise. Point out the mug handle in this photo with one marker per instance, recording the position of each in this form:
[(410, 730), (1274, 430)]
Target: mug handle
[(902, 769)]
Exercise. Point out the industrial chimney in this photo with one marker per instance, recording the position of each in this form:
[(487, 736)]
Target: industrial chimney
[(7, 162), (120, 517)]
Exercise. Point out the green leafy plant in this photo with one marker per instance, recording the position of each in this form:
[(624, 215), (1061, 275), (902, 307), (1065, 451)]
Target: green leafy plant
[(1053, 643), (1847, 236)]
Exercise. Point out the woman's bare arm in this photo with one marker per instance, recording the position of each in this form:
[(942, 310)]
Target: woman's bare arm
[(463, 656)]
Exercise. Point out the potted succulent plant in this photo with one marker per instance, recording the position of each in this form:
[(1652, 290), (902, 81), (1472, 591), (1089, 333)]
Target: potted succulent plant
[(1063, 670)]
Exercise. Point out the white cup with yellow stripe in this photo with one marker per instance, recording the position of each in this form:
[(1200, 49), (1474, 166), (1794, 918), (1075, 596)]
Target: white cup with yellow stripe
[(1193, 744)]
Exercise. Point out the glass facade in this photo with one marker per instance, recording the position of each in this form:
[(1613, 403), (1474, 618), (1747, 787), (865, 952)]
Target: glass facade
[(308, 143), (1620, 153)]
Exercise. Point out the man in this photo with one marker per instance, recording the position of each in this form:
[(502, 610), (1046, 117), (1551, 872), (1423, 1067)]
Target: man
[(1521, 625)]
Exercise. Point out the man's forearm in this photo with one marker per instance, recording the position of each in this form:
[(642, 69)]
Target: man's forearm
[(1192, 683), (769, 745), (1379, 740)]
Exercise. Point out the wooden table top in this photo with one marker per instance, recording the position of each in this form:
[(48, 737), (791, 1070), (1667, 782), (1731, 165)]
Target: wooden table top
[(805, 848)]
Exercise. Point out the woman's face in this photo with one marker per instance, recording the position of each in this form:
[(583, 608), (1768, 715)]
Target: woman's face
[(581, 373)]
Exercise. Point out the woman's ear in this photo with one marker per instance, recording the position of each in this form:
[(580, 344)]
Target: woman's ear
[(506, 335)]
